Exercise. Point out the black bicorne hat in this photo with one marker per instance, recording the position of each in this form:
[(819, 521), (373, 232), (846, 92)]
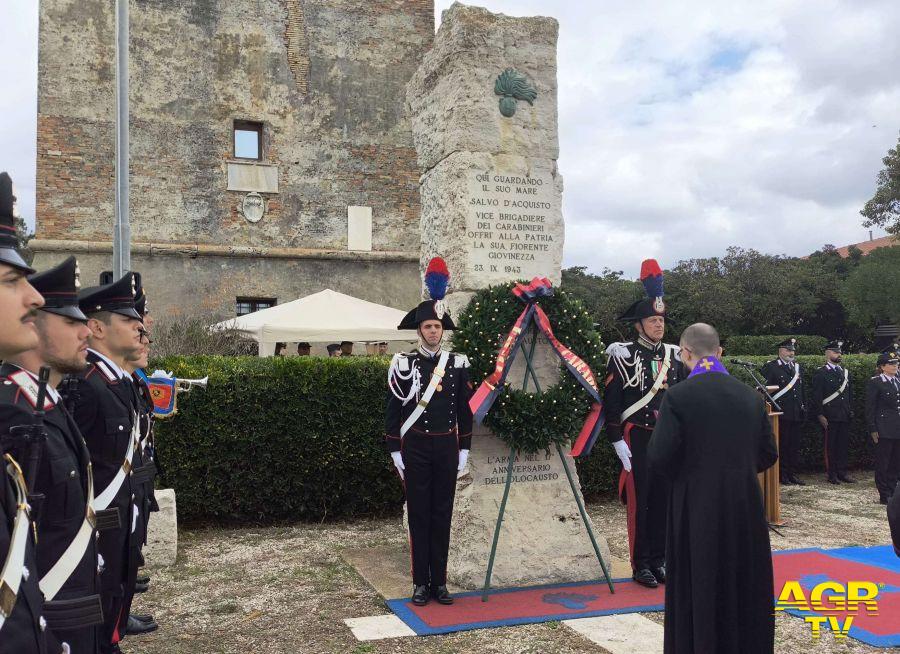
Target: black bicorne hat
[(789, 344), (117, 297), (60, 286), (652, 305), (9, 242), (436, 279), (426, 311)]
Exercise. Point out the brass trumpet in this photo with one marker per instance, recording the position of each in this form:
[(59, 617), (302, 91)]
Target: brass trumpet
[(185, 385)]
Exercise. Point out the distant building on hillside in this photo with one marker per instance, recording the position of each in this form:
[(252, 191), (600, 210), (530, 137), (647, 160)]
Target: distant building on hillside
[(868, 246)]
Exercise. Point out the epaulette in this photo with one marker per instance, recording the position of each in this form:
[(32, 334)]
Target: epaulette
[(29, 388), (400, 361), (619, 350), (108, 373), (460, 360)]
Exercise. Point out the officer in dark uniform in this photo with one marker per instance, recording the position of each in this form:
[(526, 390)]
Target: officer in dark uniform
[(104, 409), (144, 471), (784, 372), (883, 420), (429, 433), (67, 546), (638, 374), (830, 403), (23, 628)]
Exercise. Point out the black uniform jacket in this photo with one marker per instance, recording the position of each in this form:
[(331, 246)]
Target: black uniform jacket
[(883, 407), (448, 411), (825, 382), (619, 394), (62, 478), (25, 631), (103, 408), (779, 374)]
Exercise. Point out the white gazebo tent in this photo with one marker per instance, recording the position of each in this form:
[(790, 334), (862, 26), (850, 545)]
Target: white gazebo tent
[(323, 317)]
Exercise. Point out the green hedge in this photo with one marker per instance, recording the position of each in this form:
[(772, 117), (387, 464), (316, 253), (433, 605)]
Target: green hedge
[(300, 438), (277, 439), (736, 346)]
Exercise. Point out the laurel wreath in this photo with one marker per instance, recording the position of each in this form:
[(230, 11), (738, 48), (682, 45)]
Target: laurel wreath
[(527, 420)]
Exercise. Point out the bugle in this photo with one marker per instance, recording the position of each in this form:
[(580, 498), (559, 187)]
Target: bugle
[(185, 385)]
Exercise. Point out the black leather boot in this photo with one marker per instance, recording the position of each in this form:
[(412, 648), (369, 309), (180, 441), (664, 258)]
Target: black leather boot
[(420, 596), (136, 627), (442, 595), (645, 578)]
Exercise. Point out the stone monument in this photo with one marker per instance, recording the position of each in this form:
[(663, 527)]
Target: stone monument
[(483, 110)]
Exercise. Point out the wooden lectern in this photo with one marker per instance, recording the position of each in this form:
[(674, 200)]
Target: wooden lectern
[(770, 480)]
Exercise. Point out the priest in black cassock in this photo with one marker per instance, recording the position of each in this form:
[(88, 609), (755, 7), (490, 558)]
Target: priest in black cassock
[(711, 438)]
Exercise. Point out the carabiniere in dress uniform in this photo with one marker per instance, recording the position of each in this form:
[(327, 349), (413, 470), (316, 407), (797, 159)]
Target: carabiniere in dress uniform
[(830, 403), (883, 421), (104, 410), (429, 433), (638, 374), (23, 627), (784, 372)]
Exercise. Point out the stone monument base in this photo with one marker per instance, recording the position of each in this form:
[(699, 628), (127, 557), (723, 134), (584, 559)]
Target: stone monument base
[(162, 531), (542, 539)]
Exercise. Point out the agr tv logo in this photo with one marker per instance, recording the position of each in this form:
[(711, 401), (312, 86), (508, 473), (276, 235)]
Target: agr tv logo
[(831, 599)]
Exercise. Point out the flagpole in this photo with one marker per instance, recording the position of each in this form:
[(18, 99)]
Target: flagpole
[(122, 228)]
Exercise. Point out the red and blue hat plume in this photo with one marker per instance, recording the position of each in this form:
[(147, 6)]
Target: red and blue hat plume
[(652, 279), (437, 277)]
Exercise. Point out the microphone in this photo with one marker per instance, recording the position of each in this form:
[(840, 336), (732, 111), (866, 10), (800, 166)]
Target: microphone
[(746, 364)]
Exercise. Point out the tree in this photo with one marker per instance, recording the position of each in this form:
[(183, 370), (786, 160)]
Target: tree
[(871, 293), (605, 296), (23, 235), (883, 210)]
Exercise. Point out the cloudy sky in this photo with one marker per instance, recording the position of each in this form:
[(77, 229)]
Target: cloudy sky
[(686, 126)]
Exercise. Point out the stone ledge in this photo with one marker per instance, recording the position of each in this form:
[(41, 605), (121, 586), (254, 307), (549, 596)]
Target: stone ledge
[(194, 250)]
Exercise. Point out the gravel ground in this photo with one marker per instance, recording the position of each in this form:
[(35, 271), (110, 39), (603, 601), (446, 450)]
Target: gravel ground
[(287, 589)]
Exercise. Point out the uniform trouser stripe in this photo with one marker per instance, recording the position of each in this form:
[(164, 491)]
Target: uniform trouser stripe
[(645, 497)]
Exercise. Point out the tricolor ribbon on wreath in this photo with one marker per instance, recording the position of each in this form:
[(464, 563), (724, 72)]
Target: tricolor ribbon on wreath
[(533, 315)]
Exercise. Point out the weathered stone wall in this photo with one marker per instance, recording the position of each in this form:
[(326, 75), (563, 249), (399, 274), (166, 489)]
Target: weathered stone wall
[(179, 284), (326, 78)]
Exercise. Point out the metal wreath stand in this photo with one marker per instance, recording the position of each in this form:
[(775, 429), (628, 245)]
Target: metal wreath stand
[(530, 372)]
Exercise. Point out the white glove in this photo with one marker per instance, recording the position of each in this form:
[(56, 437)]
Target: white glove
[(398, 462), (463, 459), (134, 518), (624, 454)]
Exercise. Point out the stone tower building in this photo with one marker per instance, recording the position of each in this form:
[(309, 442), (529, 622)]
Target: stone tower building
[(271, 156)]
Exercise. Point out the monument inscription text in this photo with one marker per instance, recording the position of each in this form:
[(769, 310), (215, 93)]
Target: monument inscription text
[(527, 468), (509, 227)]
